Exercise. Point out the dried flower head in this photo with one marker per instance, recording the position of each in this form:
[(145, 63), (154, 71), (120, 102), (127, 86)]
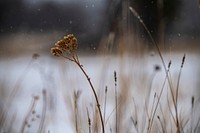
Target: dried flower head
[(61, 44), (69, 43), (56, 51)]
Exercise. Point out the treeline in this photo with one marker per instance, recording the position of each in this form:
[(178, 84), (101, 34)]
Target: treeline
[(45, 16), (80, 17)]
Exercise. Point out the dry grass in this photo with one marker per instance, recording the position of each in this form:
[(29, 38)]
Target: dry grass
[(129, 103), (123, 105)]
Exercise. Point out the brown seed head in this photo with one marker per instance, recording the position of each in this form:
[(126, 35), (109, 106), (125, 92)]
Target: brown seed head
[(62, 44), (56, 51), (70, 42)]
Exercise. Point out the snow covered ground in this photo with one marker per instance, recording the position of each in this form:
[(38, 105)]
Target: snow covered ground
[(60, 78)]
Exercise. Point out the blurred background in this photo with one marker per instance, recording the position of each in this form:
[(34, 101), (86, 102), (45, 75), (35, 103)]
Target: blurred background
[(40, 23), (105, 29)]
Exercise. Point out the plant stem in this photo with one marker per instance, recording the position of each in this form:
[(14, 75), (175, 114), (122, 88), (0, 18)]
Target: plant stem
[(89, 121), (33, 103), (163, 62), (116, 102), (104, 116), (75, 111), (44, 108), (93, 90)]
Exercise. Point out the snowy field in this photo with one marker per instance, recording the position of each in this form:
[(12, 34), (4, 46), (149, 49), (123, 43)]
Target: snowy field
[(52, 82)]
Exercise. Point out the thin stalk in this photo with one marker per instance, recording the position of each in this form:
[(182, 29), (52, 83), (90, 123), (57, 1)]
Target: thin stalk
[(76, 61), (184, 125), (33, 103), (192, 115), (89, 121), (149, 90), (105, 101), (148, 99), (177, 90), (159, 97), (151, 115), (15, 89), (76, 110), (164, 120), (161, 124), (93, 90), (44, 108), (134, 124), (135, 121), (156, 45), (168, 103), (116, 124), (10, 128), (197, 126), (162, 59), (111, 113)]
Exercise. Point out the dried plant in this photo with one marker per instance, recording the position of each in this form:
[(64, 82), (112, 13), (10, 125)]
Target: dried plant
[(44, 109), (66, 48), (173, 95), (105, 101), (29, 113), (116, 101), (76, 98), (89, 121), (15, 90)]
